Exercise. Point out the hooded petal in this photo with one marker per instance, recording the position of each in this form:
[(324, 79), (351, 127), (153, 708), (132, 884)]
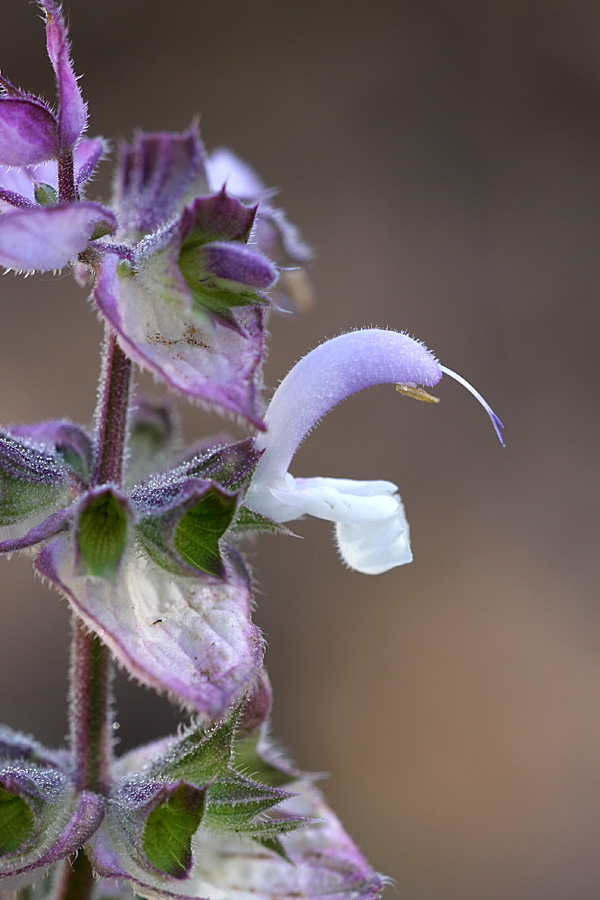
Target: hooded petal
[(326, 376), (189, 638), (27, 132), (205, 360), (47, 238)]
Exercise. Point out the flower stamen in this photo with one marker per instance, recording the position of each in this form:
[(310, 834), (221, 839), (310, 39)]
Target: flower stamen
[(416, 392)]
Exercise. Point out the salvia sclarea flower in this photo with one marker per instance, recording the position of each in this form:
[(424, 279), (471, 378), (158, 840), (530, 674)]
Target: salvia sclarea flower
[(370, 525), (144, 541)]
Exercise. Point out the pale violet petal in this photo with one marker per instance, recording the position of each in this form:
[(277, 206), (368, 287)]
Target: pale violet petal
[(225, 168), (327, 375)]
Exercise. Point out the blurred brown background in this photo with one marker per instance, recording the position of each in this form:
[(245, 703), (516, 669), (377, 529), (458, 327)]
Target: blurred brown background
[(442, 158)]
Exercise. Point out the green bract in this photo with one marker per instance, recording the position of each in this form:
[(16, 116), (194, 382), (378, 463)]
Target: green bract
[(31, 482), (196, 536), (101, 533), (16, 821), (169, 829)]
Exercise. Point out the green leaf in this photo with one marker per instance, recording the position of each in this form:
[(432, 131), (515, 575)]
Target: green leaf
[(31, 482), (269, 828), (169, 829), (102, 534), (45, 194), (247, 759), (218, 301), (197, 534), (153, 537), (203, 756), (16, 821), (247, 521), (235, 802), (19, 499), (274, 845)]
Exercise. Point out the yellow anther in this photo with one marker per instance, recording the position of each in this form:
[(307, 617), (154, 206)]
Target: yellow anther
[(417, 393)]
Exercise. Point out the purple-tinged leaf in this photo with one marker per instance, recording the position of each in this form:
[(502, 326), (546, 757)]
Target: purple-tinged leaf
[(219, 217), (33, 483), (47, 238), (315, 862), (17, 746), (54, 524), (72, 111), (153, 175), (26, 461), (65, 438), (27, 133), (154, 823), (206, 361), (230, 466), (10, 199), (184, 536), (62, 820), (191, 639)]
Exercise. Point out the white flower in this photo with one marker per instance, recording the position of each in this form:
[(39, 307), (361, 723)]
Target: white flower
[(371, 528)]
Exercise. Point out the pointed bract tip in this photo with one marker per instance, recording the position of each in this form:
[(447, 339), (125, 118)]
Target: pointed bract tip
[(498, 426)]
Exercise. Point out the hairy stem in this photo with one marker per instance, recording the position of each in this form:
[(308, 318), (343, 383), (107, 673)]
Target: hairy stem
[(92, 668), (67, 190), (90, 698), (111, 414), (75, 880)]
